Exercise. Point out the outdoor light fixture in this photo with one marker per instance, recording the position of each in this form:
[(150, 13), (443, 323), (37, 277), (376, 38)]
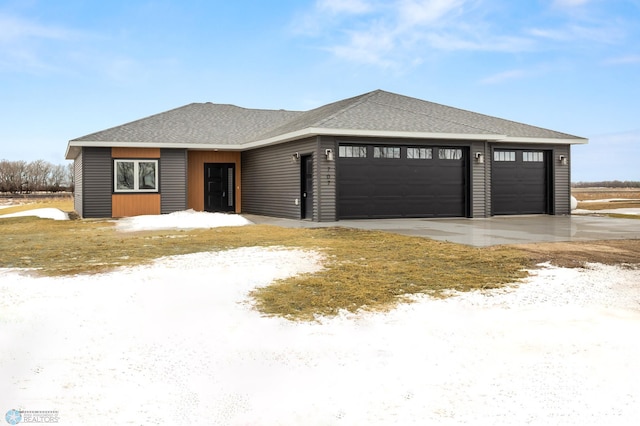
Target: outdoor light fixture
[(479, 157), (295, 157), (329, 154), (563, 160)]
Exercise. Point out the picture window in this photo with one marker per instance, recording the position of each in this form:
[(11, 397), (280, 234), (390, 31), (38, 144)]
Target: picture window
[(135, 175)]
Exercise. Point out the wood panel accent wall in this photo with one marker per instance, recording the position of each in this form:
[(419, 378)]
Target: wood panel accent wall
[(123, 205), (119, 152), (195, 178)]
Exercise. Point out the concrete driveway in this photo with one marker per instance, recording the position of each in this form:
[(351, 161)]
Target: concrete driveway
[(488, 231)]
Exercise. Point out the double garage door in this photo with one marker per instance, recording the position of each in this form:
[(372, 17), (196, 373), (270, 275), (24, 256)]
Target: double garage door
[(402, 181)]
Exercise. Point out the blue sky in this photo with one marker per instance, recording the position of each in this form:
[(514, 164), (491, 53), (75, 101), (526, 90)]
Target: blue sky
[(69, 68)]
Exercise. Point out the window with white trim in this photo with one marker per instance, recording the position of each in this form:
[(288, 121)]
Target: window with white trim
[(419, 153), (533, 156), (135, 175), (386, 152), (504, 156), (450, 154), (350, 151)]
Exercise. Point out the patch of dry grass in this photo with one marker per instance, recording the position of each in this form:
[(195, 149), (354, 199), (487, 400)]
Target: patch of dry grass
[(364, 269)]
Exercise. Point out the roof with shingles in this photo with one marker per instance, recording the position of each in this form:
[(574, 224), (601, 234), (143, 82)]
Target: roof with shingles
[(378, 111)]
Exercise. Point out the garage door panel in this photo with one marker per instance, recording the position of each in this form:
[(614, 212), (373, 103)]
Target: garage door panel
[(401, 187), (518, 186)]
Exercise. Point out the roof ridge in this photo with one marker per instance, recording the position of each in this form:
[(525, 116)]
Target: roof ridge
[(358, 100), (434, 116), (468, 112), (138, 120)]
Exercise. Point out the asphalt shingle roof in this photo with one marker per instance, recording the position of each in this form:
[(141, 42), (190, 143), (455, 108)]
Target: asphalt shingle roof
[(207, 123)]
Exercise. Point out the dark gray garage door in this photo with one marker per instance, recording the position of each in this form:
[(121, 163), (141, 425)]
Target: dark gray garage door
[(520, 182), (401, 181)]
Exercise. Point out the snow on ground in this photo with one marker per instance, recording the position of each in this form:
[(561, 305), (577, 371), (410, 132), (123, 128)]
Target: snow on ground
[(609, 200), (630, 211), (44, 213), (178, 342), (188, 219)]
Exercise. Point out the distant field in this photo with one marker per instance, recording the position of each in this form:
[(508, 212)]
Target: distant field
[(622, 198), (605, 193)]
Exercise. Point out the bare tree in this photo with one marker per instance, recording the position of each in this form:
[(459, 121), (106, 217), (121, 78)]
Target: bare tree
[(57, 178), (12, 175), (38, 175)]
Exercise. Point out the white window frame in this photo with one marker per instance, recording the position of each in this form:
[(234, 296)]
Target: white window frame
[(390, 152), (504, 156), (136, 175), (533, 156), (419, 153), (352, 151), (450, 154)]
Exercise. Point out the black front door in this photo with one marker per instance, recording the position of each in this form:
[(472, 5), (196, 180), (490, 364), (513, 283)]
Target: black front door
[(306, 180), (219, 187)]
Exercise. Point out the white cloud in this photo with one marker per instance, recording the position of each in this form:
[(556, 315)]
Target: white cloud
[(371, 47), (344, 6), (622, 60), (13, 29), (504, 76), (574, 32), (570, 3), (426, 12), (28, 46)]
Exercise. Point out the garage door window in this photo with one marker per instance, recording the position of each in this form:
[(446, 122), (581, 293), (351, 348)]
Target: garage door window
[(504, 156), (419, 153), (386, 152), (349, 151), (450, 154), (533, 156)]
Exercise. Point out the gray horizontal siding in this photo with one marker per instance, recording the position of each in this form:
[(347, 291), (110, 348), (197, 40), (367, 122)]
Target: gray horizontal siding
[(325, 184), (173, 180), (479, 185), (271, 180), (562, 182), (97, 182), (77, 185)]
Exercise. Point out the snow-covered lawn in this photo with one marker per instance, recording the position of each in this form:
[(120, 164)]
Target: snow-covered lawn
[(177, 342)]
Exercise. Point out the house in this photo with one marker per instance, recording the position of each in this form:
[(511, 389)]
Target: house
[(377, 155)]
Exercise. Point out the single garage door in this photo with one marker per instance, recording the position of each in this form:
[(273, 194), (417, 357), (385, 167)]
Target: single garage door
[(520, 182), (376, 181)]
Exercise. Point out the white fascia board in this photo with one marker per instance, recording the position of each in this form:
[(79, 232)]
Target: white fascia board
[(315, 131), (546, 141), (74, 146)]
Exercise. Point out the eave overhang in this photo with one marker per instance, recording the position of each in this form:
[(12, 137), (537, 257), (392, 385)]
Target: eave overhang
[(74, 146)]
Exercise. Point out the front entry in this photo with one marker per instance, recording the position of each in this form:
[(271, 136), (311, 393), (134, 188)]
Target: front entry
[(306, 187), (219, 184)]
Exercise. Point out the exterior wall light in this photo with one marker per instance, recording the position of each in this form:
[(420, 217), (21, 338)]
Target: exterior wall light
[(295, 157), (479, 157), (563, 160), (329, 154)]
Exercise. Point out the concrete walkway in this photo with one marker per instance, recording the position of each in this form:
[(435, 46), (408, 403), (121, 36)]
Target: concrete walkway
[(487, 231)]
